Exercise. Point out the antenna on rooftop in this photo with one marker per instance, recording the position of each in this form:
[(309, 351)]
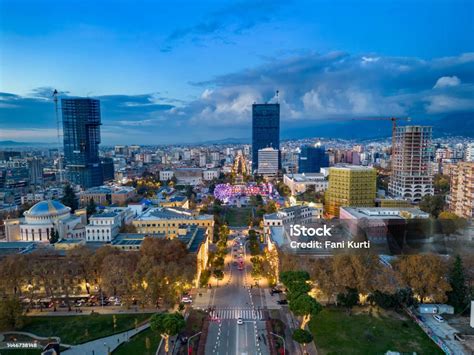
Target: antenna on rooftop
[(278, 96)]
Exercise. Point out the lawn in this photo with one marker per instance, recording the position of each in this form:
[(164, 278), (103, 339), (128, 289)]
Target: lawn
[(237, 216), (80, 329), (21, 351), (138, 344), (336, 332)]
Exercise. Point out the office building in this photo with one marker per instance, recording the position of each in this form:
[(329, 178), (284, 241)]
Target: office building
[(81, 126), (35, 170), (299, 183), (411, 177), (376, 221), (171, 221), (312, 159), (265, 129), (6, 155), (108, 170), (103, 227), (268, 162), (461, 199), (350, 186)]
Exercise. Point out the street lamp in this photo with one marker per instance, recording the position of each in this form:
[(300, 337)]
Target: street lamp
[(192, 336), (283, 339)]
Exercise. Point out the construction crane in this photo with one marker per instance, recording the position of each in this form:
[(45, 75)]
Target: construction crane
[(394, 123), (58, 128)]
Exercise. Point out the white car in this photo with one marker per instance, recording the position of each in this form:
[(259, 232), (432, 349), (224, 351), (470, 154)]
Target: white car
[(187, 299), (240, 321), (438, 318)]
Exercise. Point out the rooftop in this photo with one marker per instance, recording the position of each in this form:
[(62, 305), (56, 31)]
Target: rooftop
[(170, 213), (386, 212), (351, 167), (306, 177), (46, 208)]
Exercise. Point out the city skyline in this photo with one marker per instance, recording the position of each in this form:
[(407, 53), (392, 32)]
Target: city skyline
[(152, 71)]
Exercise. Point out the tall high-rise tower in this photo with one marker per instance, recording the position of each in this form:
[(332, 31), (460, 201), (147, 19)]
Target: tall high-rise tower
[(265, 129), (312, 159), (81, 130), (411, 172)]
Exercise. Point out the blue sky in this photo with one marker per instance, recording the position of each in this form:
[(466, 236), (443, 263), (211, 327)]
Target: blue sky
[(163, 69)]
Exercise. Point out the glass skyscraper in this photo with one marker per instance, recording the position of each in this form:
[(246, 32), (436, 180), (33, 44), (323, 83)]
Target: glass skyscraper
[(312, 159), (265, 129), (81, 127)]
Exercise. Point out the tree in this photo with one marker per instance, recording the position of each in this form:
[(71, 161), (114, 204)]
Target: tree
[(70, 199), (425, 274), (450, 222), (91, 208), (117, 274), (13, 269), (53, 236), (302, 336), (11, 314), (301, 304), (348, 299), (128, 228), (441, 183), (459, 295), (432, 204), (83, 257), (167, 325), (306, 307), (322, 272), (271, 207), (383, 300)]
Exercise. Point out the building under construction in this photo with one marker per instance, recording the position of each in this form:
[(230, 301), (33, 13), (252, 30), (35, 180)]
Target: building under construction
[(411, 178)]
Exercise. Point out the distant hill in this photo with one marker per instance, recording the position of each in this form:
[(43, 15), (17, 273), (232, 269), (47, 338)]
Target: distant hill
[(228, 141), (21, 144), (459, 124)]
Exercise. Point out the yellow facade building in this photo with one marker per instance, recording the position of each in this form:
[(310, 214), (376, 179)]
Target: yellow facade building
[(350, 186)]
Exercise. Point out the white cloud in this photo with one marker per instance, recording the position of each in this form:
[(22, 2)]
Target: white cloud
[(446, 103), (447, 81), (370, 59)]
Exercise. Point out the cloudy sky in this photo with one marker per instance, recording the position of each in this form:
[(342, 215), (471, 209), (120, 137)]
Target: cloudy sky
[(188, 71)]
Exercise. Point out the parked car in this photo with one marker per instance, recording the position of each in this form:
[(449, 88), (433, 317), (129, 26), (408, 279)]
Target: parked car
[(276, 290), (282, 302), (187, 299)]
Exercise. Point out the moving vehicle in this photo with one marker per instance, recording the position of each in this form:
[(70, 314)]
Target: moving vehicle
[(240, 321), (241, 265), (438, 318)]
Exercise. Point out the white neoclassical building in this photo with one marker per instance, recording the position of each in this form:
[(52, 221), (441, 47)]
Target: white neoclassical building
[(43, 217)]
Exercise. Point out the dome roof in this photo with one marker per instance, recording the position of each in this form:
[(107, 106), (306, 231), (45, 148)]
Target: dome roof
[(47, 208)]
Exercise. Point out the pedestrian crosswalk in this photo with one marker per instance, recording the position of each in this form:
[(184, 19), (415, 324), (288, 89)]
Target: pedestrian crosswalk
[(236, 313)]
